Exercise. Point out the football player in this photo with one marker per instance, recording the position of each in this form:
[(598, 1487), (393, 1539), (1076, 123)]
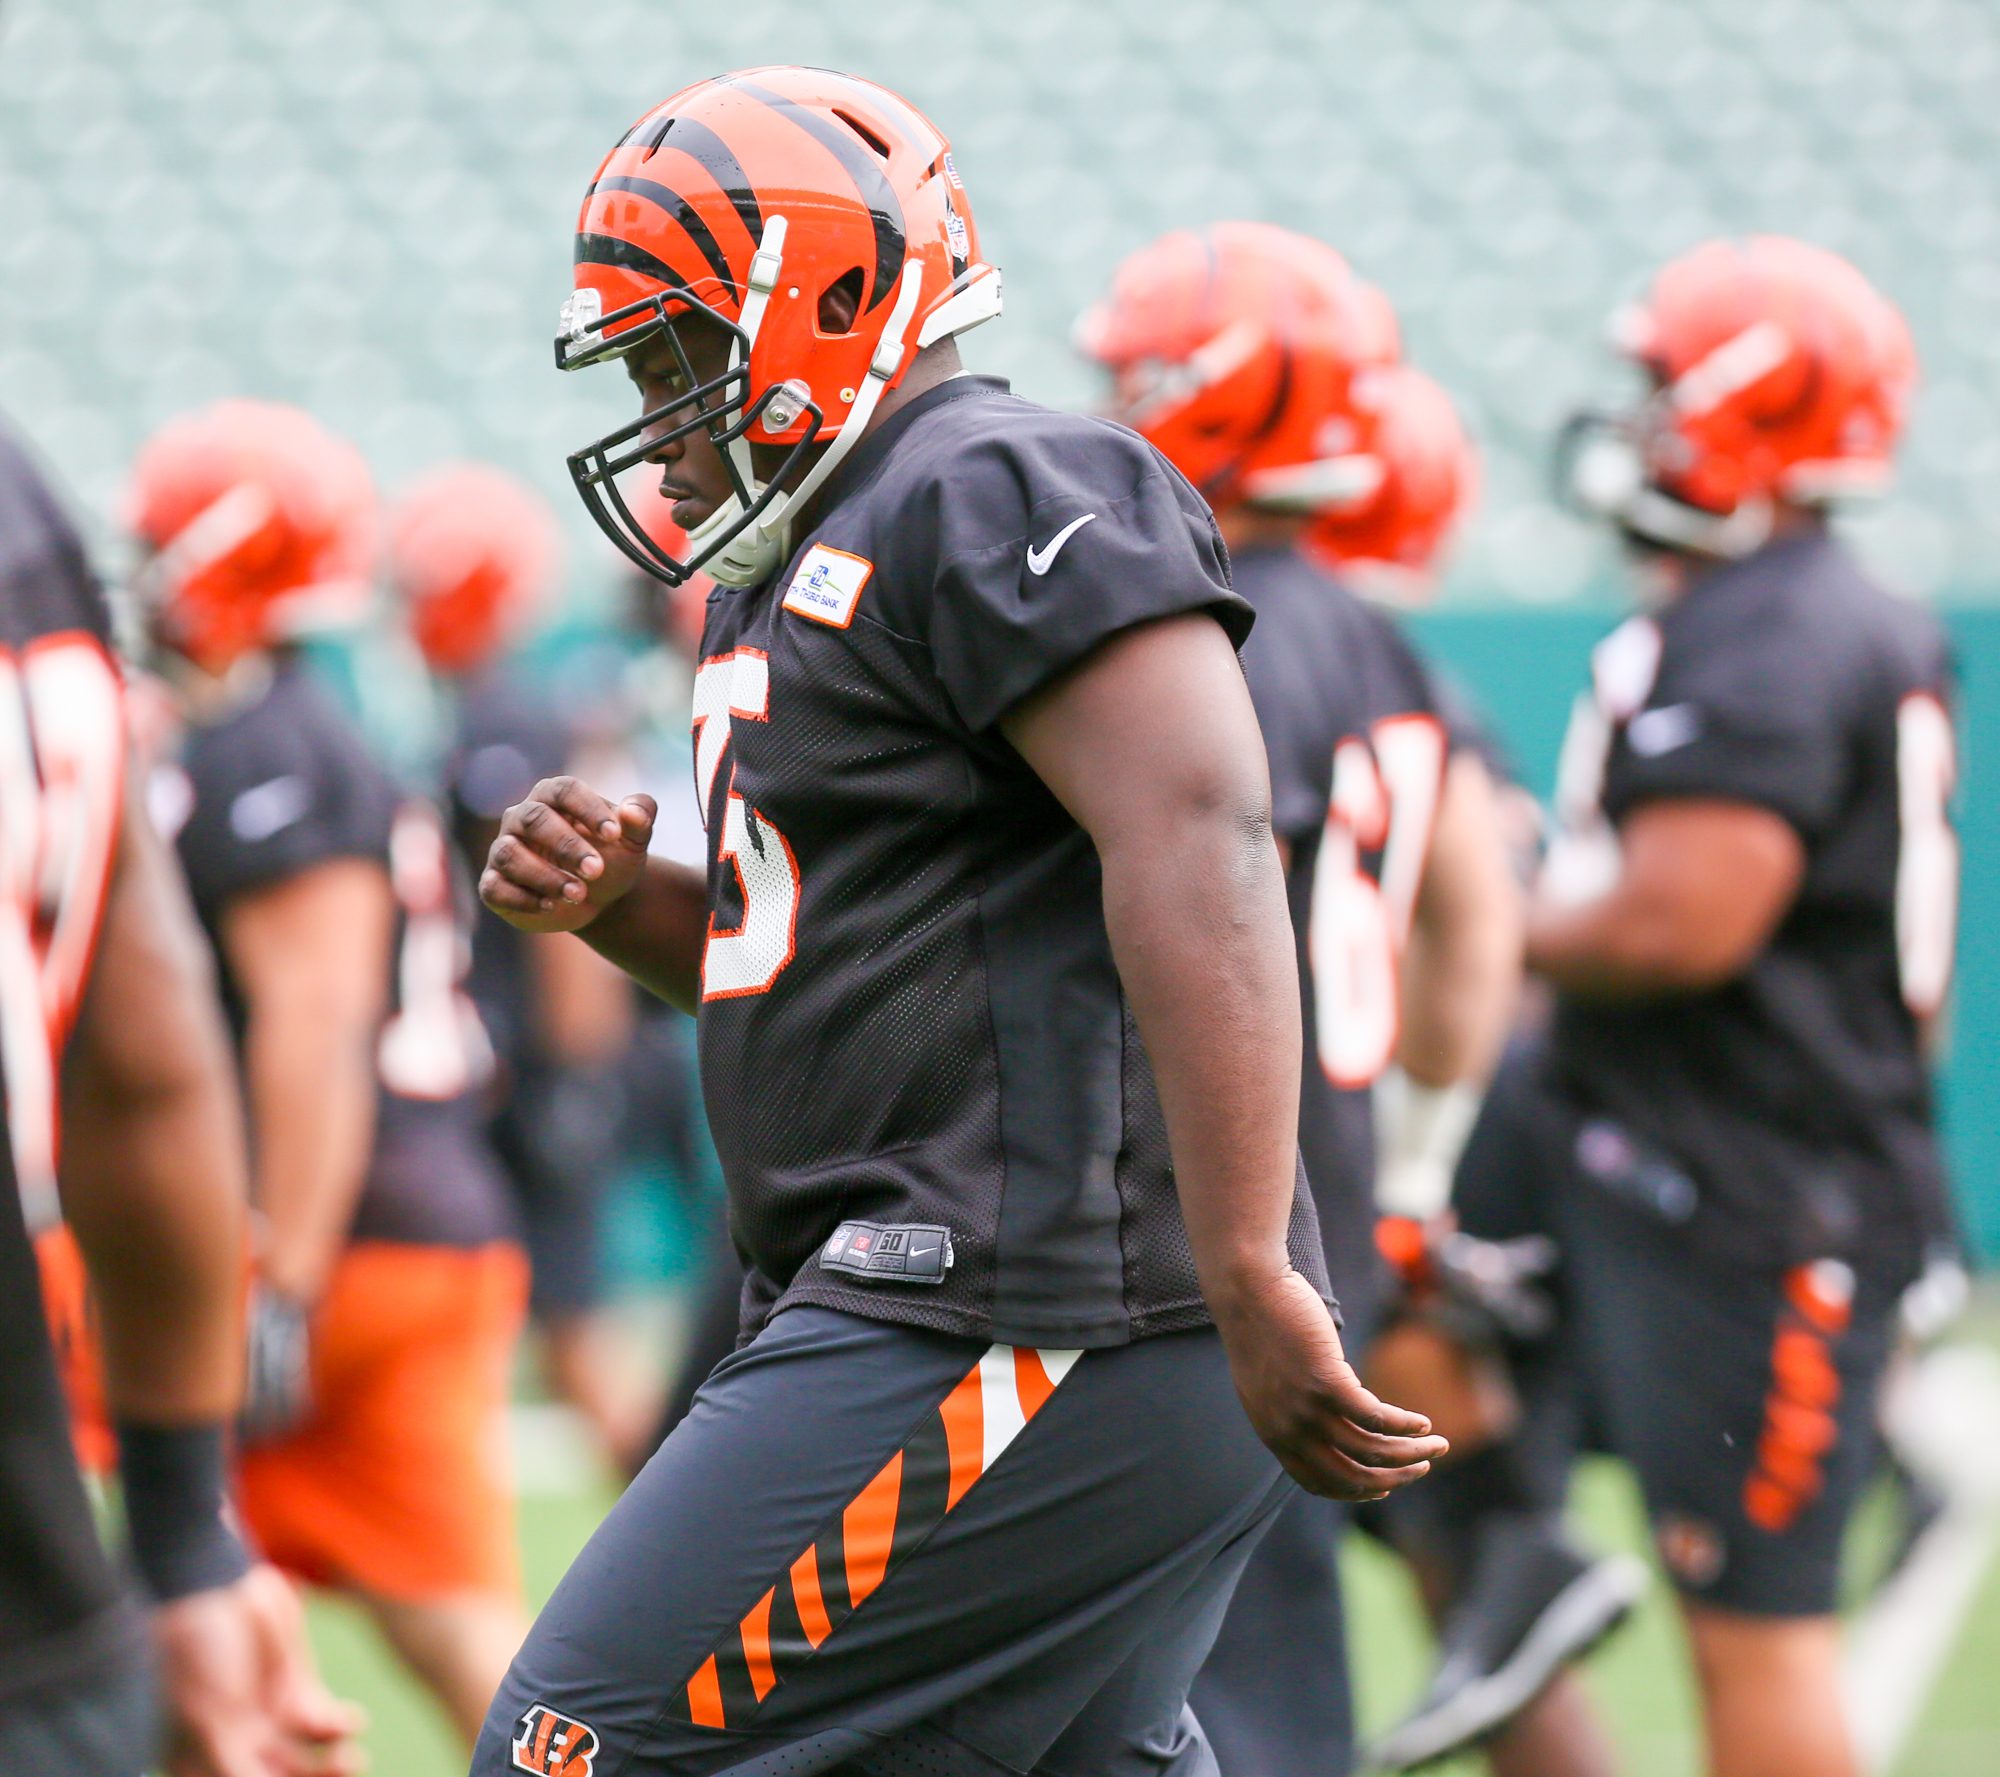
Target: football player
[(389, 1290), (999, 1032), (107, 1014), (1748, 920), (1264, 370), (473, 556)]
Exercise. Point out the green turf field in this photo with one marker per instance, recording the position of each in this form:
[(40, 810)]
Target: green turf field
[(1640, 1679)]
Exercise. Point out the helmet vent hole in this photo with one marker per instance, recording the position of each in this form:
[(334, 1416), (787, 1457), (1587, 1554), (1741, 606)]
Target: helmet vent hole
[(653, 137), (840, 302), (864, 132)]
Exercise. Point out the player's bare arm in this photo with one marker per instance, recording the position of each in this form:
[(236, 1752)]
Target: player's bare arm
[(153, 1185), (312, 955), (1704, 884), (1153, 747), (1463, 963)]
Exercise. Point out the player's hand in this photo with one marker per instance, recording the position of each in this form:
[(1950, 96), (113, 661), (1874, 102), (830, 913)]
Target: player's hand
[(242, 1696), (1305, 1401), (564, 855), (277, 1383)]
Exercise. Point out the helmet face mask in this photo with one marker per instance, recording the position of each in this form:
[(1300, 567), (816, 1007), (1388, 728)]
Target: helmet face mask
[(722, 409), (1607, 467)]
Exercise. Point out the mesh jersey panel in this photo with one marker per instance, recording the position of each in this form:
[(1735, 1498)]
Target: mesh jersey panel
[(945, 1041)]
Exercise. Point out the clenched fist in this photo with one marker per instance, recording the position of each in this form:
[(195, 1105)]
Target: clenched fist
[(564, 855)]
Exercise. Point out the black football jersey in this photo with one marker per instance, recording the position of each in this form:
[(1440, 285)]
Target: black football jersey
[(1795, 1096), (929, 1097), (63, 1611), (507, 739), (280, 785), (1358, 747)]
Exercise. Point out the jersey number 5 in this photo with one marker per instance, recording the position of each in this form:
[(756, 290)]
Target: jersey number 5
[(1385, 799), (736, 687)]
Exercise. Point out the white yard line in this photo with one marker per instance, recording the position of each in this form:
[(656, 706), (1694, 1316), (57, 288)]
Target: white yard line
[(1947, 1421), (1897, 1648)]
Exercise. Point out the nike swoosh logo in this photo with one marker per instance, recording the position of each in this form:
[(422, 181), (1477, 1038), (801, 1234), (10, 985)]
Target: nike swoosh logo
[(1041, 560)]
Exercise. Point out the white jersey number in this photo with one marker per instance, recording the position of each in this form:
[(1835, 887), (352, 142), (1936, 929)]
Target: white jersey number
[(1385, 798), (732, 688), (1927, 861), (62, 766), (435, 1046)]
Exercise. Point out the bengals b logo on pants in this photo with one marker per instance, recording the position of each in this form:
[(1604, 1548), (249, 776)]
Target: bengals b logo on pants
[(551, 1745)]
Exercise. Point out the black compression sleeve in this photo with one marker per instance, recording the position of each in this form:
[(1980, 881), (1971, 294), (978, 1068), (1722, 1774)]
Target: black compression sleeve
[(175, 1499)]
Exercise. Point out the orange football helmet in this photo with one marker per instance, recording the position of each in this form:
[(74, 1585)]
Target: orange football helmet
[(473, 552), (1430, 480), (262, 525), (1233, 349), (744, 199), (1779, 372)]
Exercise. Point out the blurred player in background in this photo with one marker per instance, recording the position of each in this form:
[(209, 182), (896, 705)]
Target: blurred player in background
[(389, 1289), (474, 556), (985, 801), (1267, 373), (1748, 919), (107, 1015)]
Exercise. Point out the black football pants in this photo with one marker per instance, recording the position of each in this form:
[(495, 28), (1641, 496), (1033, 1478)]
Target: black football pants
[(878, 1549)]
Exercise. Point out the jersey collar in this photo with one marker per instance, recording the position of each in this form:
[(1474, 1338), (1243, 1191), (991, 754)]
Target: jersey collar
[(873, 451)]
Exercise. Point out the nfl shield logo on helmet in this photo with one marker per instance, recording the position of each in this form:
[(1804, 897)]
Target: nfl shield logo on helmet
[(552, 1745)]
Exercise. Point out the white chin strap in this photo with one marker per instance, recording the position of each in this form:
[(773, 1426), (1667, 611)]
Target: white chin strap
[(757, 549)]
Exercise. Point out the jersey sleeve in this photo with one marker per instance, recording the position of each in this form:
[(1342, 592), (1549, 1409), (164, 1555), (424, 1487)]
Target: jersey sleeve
[(1732, 727), (46, 585), (275, 793), (1053, 539)]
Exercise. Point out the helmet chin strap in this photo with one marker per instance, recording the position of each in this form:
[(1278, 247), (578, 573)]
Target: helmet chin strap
[(739, 561), (758, 549), (1656, 517)]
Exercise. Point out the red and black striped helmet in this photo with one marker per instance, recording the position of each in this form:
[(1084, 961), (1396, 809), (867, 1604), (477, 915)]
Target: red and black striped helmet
[(1388, 543), (744, 199), (1233, 349), (261, 526), (472, 553)]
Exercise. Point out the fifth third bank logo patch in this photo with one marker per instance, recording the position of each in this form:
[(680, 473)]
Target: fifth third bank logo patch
[(551, 1745), (828, 585)]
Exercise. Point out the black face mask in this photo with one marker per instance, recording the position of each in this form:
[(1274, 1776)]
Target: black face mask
[(1600, 471), (721, 406)]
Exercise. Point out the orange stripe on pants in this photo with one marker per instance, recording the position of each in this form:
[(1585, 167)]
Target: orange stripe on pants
[(705, 1696), (757, 1646), (869, 1525)]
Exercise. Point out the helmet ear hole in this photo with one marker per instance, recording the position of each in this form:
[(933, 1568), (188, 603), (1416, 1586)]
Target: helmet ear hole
[(840, 302)]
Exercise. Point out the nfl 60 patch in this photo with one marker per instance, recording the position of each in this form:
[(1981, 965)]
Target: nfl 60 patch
[(828, 585)]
